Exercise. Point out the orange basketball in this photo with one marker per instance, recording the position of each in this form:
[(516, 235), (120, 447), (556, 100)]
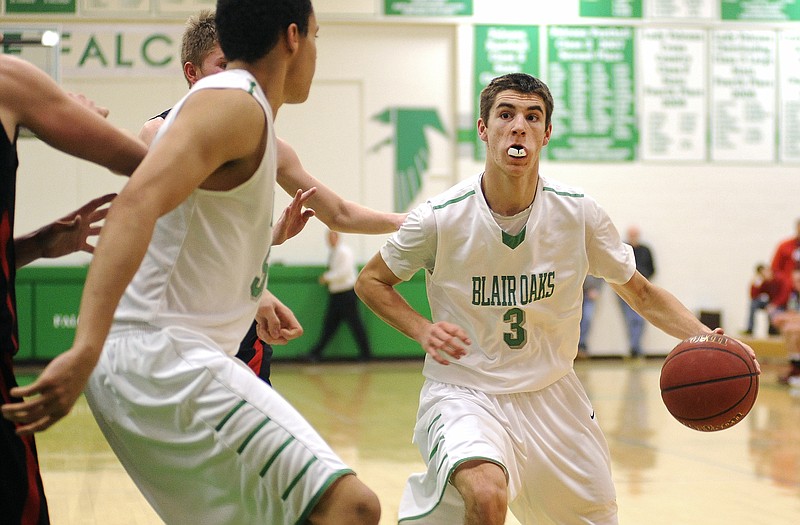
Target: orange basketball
[(709, 382)]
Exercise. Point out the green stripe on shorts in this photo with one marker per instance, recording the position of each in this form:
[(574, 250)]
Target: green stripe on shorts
[(229, 415), (275, 456), (253, 433), (296, 480)]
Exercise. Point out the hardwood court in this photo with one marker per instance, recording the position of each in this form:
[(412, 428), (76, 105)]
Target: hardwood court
[(665, 473)]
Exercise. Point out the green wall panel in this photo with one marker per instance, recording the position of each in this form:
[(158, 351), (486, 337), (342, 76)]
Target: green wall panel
[(299, 289), (25, 320), (49, 297), (55, 316)]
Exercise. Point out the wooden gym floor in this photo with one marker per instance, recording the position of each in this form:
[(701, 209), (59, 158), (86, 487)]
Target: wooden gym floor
[(665, 473)]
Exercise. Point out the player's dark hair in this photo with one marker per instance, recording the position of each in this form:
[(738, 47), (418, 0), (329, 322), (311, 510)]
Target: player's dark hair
[(521, 83), (249, 29)]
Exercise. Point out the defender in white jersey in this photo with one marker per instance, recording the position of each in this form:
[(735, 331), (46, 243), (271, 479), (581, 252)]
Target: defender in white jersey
[(503, 420), (181, 266)]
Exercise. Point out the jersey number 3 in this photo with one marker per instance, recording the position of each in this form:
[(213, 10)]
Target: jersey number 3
[(517, 336)]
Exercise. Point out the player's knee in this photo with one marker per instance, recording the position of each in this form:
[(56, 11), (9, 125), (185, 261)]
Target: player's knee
[(365, 507), (348, 501), (485, 491), (487, 504)]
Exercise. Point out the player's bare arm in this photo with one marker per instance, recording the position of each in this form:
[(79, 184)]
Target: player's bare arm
[(70, 124), (375, 286), (337, 213), (663, 310), (659, 307)]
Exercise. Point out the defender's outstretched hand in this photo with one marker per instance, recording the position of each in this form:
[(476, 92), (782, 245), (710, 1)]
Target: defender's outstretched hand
[(71, 232), (294, 217)]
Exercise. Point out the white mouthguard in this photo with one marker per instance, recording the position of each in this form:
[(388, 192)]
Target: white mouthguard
[(517, 152)]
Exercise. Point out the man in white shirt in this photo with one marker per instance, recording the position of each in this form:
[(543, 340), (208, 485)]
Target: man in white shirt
[(343, 301)]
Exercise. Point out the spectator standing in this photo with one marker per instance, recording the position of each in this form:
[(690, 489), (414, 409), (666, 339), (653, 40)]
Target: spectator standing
[(342, 299), (592, 286), (645, 265)]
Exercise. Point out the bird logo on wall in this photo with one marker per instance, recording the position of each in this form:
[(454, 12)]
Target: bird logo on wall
[(412, 151)]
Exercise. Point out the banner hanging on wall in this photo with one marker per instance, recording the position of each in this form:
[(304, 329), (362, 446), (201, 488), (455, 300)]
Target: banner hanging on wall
[(789, 88), (777, 10), (673, 85), (743, 96), (40, 6), (427, 7), (590, 73), (611, 8), (692, 9)]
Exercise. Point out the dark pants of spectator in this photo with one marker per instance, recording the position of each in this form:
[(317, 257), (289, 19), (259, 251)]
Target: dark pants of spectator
[(343, 307)]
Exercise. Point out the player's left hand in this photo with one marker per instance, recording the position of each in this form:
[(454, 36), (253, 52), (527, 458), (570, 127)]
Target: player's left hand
[(71, 232), (294, 217), (277, 324)]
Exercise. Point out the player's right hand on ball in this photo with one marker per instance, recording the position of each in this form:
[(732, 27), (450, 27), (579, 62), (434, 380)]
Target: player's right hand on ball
[(442, 339)]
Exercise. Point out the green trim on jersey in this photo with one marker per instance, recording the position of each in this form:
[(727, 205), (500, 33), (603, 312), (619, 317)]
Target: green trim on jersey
[(563, 193), (512, 241), (453, 201)]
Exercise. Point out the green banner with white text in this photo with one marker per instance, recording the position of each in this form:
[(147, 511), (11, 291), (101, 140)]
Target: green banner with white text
[(777, 10), (590, 73), (40, 6), (611, 8), (427, 7)]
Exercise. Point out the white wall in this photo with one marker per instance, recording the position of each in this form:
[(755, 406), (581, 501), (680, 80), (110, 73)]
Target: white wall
[(708, 223)]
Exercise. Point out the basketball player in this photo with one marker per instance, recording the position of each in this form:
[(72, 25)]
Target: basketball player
[(73, 124), (201, 56), (183, 262), (503, 420)]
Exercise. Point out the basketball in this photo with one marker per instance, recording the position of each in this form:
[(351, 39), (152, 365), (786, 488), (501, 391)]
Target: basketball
[(709, 382)]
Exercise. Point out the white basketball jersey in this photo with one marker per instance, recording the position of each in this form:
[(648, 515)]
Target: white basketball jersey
[(206, 265), (518, 297)]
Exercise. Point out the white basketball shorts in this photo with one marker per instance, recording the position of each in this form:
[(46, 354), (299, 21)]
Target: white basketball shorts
[(204, 439), (548, 441)]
